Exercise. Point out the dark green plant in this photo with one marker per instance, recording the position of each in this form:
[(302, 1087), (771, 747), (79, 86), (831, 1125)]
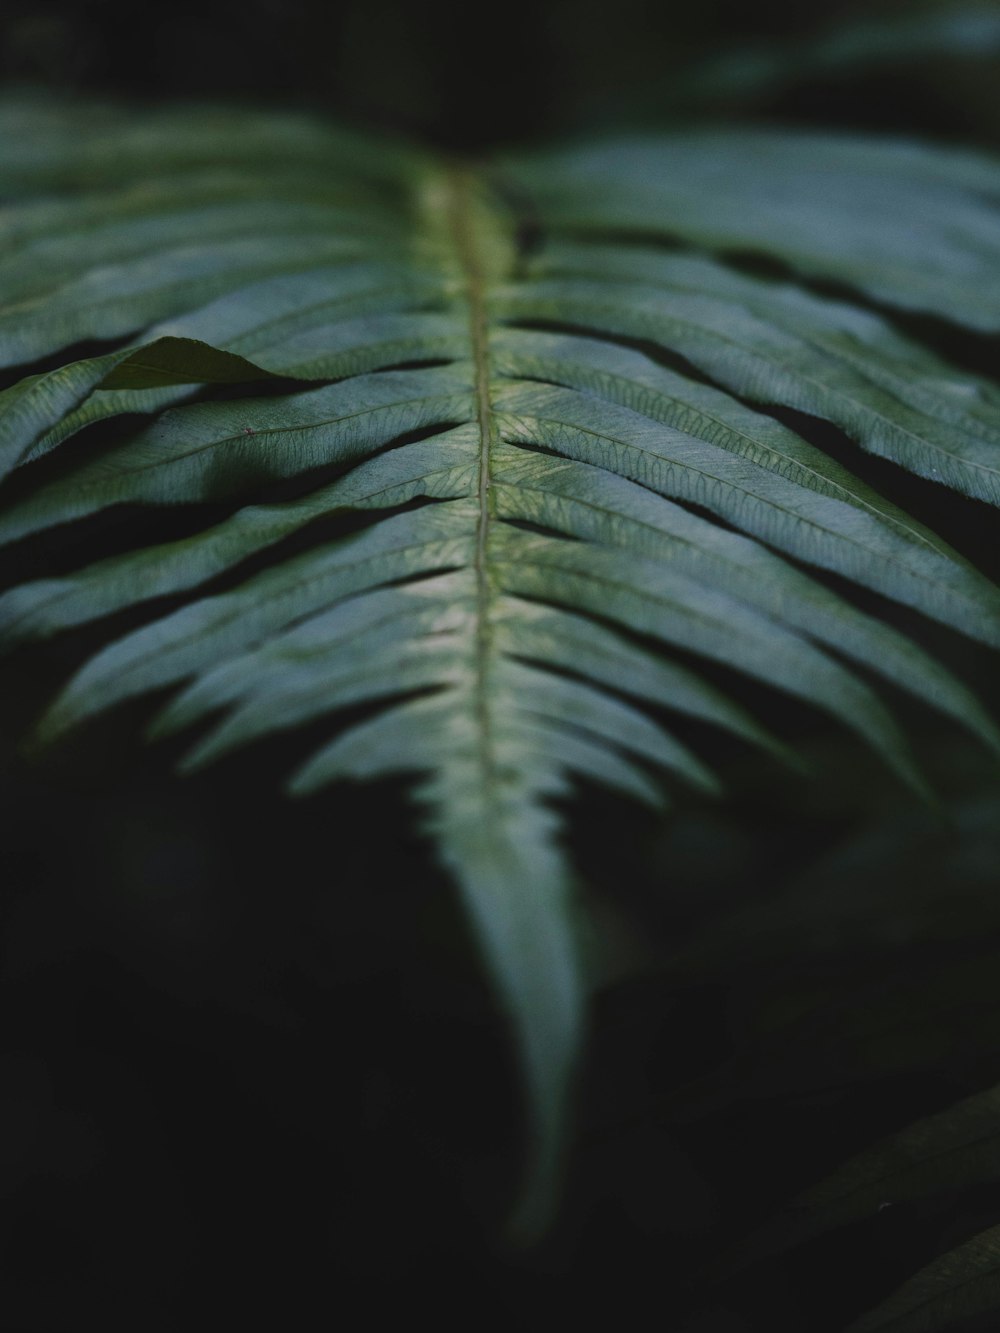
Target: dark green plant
[(492, 476)]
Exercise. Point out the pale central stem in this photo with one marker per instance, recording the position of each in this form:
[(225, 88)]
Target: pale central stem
[(462, 211)]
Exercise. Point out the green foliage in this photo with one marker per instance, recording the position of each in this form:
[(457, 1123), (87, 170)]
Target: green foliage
[(530, 388)]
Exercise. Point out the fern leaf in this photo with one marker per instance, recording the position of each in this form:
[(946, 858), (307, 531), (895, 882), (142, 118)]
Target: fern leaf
[(955, 1149), (956, 1287), (533, 488), (824, 205)]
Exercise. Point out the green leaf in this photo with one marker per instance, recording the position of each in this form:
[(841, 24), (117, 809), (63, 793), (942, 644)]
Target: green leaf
[(825, 205), (961, 1284), (33, 405), (955, 1148), (463, 486)]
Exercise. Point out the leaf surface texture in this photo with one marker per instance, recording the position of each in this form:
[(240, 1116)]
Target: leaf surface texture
[(567, 483)]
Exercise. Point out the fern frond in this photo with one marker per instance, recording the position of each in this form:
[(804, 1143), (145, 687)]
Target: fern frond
[(555, 490)]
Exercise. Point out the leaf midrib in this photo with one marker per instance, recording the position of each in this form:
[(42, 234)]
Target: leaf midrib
[(467, 251)]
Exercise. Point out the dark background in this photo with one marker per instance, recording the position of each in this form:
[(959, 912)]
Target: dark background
[(470, 76), (247, 1062)]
